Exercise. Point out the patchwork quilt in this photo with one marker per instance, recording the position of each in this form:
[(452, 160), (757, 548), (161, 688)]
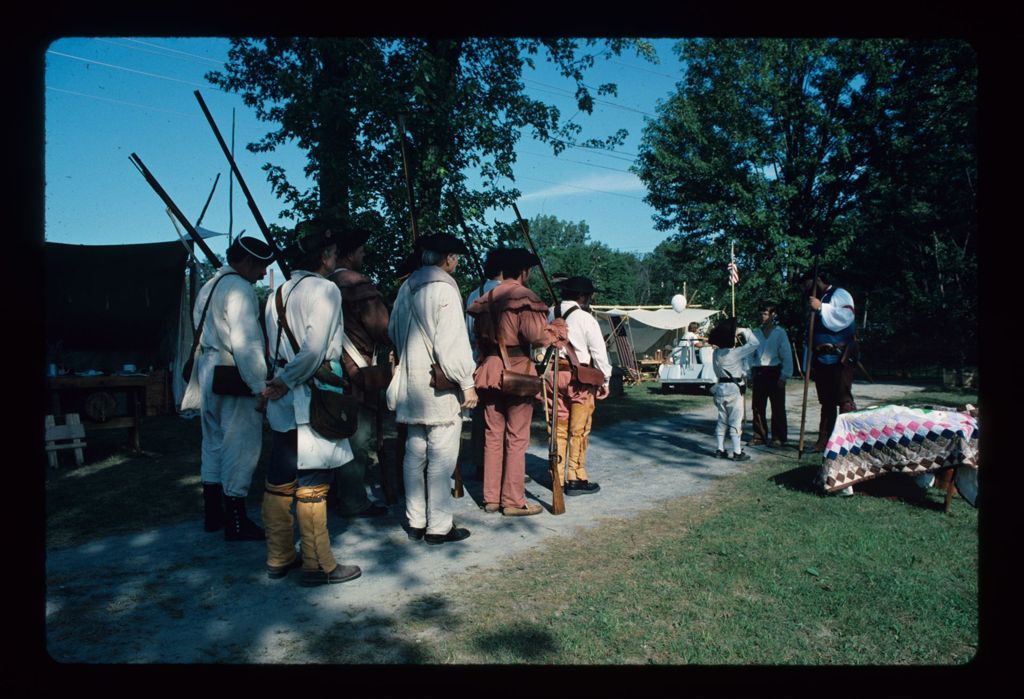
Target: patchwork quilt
[(897, 439)]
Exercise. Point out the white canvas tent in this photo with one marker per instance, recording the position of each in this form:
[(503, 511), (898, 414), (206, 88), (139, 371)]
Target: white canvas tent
[(647, 329)]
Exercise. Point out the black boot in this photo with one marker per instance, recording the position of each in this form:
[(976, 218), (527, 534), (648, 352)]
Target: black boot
[(213, 507), (237, 525)]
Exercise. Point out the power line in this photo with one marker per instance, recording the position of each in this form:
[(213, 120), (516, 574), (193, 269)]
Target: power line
[(567, 160), (107, 99), (183, 53), (249, 129), (160, 53), (132, 70), (557, 90), (646, 70)]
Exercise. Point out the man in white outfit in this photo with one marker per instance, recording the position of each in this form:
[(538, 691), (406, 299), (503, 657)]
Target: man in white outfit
[(226, 315), (301, 460), (577, 399), (730, 364), (427, 327)]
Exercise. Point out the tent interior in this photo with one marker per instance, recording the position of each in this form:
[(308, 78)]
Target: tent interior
[(112, 305), (649, 328)]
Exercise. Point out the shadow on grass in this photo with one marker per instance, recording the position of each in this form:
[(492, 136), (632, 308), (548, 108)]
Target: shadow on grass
[(518, 643), (799, 479), (894, 487)]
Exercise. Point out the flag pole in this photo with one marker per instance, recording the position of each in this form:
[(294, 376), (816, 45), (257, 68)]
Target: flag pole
[(732, 284)]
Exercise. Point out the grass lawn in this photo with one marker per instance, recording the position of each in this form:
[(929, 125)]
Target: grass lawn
[(761, 571), (758, 571)]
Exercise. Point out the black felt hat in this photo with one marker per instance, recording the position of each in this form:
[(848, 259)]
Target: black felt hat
[(351, 239), (519, 258), (254, 247), (442, 243), (580, 285), (315, 234)]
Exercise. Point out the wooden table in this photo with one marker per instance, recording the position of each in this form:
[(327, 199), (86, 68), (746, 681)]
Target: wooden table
[(133, 386)]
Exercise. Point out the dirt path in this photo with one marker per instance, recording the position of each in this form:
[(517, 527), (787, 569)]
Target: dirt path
[(179, 595)]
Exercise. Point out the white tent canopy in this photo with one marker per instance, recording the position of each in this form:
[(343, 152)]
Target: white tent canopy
[(651, 327)]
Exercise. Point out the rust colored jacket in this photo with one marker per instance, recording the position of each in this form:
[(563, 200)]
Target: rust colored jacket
[(366, 316), (522, 321)]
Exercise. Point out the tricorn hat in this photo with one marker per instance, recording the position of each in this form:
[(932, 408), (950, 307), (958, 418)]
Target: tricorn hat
[(351, 238), (519, 258), (254, 247), (443, 243), (582, 285)]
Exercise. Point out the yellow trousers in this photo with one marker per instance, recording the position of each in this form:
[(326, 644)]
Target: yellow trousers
[(577, 433)]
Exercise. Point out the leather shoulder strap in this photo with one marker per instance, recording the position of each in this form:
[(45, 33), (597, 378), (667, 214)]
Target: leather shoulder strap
[(282, 320), (197, 332)]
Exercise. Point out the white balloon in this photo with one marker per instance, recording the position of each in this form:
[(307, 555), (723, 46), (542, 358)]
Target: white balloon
[(679, 303)]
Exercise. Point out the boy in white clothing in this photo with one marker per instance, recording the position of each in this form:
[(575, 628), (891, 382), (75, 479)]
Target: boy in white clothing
[(729, 363)]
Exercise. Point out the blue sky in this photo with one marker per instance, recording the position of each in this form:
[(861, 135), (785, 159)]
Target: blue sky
[(106, 98)]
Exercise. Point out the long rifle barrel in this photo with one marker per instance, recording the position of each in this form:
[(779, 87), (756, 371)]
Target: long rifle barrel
[(193, 233), (408, 178), (469, 240), (245, 189), (529, 241), (208, 199)]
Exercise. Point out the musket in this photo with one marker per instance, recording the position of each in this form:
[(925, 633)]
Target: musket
[(209, 198), (554, 459), (193, 233), (469, 240), (245, 189), (408, 178)]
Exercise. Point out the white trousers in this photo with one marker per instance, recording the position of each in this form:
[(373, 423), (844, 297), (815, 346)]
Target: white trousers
[(430, 449), (232, 434), (729, 402)]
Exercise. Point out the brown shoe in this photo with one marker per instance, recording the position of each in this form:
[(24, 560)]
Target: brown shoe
[(340, 574), (529, 509), (755, 441), (491, 507)]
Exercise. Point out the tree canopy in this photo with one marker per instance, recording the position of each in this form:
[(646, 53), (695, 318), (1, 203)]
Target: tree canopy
[(862, 151), (463, 104)]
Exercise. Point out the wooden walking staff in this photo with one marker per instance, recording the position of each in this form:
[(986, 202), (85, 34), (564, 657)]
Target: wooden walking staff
[(554, 458), (810, 360)]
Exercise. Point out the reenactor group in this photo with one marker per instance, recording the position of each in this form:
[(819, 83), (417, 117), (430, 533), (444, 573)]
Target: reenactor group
[(432, 360)]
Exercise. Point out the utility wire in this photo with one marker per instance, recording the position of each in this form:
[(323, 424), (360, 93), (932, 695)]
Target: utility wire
[(132, 70), (183, 53)]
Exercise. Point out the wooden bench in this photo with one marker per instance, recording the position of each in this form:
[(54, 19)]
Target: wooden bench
[(71, 435)]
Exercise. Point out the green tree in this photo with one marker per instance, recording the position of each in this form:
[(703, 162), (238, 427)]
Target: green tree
[(463, 104), (861, 149)]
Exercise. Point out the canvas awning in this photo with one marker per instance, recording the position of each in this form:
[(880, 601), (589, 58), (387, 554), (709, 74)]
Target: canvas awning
[(651, 328)]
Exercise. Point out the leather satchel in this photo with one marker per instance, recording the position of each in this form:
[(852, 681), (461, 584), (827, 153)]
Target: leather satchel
[(439, 380), (583, 373), (333, 408), (227, 381), (512, 383)]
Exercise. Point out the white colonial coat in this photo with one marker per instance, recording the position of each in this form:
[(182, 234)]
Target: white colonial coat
[(431, 293), (313, 312)]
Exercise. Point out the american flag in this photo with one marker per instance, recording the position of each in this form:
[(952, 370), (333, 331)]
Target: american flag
[(734, 275)]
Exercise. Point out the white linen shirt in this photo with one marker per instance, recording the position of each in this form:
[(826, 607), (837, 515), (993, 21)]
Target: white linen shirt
[(232, 325), (774, 350), (734, 359), (585, 337), (432, 294), (313, 311), (838, 312)]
